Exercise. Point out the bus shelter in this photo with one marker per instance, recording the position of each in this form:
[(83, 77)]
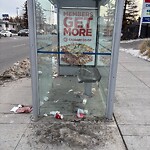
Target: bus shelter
[(74, 55)]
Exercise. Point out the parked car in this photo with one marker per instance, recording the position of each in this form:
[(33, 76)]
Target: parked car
[(54, 32), (39, 32), (23, 32), (6, 33), (14, 32)]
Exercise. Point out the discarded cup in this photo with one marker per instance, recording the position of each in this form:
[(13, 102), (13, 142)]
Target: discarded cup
[(81, 113), (93, 90), (58, 116), (84, 101)]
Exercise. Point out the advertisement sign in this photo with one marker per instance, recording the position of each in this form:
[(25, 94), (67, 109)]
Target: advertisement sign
[(5, 17), (146, 12), (77, 35)]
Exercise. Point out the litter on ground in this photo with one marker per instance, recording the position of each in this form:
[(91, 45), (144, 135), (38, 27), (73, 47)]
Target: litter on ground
[(21, 109), (81, 113), (46, 98), (84, 101), (57, 114)]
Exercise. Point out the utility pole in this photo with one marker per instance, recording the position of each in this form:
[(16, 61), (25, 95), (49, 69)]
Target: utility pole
[(17, 10)]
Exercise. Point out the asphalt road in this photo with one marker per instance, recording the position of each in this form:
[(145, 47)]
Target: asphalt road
[(13, 49), (134, 44)]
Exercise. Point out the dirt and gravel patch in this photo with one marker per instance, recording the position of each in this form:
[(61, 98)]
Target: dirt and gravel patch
[(75, 134)]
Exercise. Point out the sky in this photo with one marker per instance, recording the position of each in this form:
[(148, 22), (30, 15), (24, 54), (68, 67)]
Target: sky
[(9, 7)]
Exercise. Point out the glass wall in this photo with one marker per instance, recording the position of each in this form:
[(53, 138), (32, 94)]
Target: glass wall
[(46, 30), (105, 33), (74, 52)]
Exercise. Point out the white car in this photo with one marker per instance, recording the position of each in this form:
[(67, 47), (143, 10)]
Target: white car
[(6, 33), (54, 32)]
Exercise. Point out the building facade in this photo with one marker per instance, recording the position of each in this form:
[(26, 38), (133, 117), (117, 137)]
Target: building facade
[(6, 25)]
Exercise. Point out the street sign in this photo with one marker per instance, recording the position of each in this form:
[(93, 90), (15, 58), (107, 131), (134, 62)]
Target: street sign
[(5, 15), (146, 12), (145, 17)]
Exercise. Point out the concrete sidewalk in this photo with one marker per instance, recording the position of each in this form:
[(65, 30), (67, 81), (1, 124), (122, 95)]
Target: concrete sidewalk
[(132, 107), (16, 130), (131, 111), (13, 126)]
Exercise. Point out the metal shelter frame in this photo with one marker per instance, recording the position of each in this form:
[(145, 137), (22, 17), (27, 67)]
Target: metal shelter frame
[(113, 65)]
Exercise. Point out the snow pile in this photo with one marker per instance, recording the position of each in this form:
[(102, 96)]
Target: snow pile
[(130, 41), (135, 53), (21, 69)]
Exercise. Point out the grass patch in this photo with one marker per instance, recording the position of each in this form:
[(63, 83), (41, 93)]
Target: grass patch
[(145, 48)]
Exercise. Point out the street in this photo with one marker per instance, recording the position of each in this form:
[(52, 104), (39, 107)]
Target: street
[(13, 49), (16, 48), (134, 44)]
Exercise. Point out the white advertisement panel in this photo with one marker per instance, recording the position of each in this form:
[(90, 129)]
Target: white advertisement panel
[(77, 35), (146, 12)]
